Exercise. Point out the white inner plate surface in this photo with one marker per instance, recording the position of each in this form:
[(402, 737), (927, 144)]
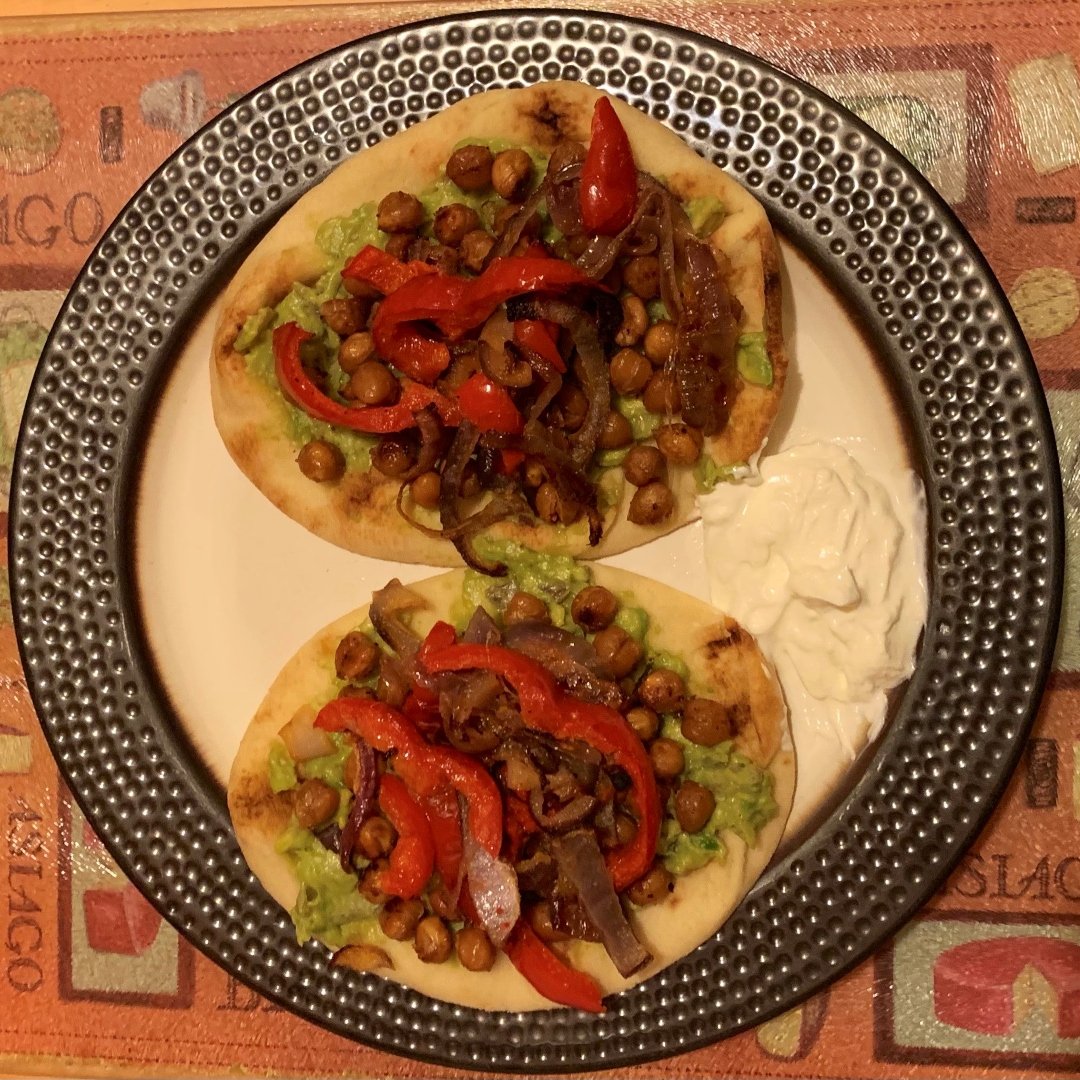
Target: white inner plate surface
[(231, 588)]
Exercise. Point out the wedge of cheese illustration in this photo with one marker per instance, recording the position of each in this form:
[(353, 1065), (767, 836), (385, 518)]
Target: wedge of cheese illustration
[(993, 985)]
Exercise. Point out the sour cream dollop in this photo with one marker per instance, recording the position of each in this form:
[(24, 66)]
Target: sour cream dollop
[(824, 562)]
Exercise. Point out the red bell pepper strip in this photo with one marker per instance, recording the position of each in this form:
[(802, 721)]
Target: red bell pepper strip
[(548, 974), (489, 406), (608, 174), (457, 305), (520, 823), (412, 352), (444, 817), (413, 856), (509, 460), (376, 267), (536, 334), (298, 386), (546, 707), (425, 768)]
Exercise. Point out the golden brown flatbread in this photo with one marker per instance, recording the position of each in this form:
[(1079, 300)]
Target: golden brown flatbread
[(358, 512), (724, 663)]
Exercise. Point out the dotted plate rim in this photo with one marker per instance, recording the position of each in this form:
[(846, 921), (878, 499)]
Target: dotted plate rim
[(963, 376)]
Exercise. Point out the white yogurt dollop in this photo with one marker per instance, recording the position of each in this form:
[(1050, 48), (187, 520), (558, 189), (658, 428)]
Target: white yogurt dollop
[(822, 558)]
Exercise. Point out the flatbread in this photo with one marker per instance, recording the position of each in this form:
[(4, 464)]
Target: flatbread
[(358, 512), (724, 663)]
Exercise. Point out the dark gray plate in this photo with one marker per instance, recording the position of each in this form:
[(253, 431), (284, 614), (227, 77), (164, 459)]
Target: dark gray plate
[(961, 373)]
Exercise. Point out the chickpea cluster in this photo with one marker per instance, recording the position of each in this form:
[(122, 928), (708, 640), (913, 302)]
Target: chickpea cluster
[(455, 240)]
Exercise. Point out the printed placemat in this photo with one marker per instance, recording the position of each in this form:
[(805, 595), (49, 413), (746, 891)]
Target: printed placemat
[(985, 99)]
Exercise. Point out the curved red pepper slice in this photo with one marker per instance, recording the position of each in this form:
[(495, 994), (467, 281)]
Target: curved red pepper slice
[(545, 706), (548, 974), (298, 386), (489, 406), (425, 768), (413, 856), (456, 305), (538, 335), (608, 174), (376, 267), (444, 817)]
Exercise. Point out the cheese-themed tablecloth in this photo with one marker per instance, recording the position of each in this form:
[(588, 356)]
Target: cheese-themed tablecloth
[(985, 99)]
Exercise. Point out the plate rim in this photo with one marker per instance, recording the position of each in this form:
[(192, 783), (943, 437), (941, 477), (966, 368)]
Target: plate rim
[(159, 368)]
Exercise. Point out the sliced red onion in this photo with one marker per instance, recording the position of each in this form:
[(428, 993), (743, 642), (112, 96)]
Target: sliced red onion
[(493, 886), (367, 778), (579, 857)]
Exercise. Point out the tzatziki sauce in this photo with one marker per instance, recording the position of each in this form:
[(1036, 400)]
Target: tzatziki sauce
[(822, 557)]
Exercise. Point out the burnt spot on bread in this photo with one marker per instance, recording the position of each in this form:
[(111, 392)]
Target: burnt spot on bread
[(726, 638), (738, 716), (252, 802), (551, 120), (363, 493)]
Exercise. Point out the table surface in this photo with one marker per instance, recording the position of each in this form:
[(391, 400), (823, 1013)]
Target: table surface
[(984, 97)]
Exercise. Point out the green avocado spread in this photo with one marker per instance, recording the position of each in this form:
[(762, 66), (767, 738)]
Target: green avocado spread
[(328, 905), (744, 802)]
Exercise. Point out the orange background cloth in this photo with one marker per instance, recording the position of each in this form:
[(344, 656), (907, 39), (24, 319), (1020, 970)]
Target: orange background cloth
[(985, 98)]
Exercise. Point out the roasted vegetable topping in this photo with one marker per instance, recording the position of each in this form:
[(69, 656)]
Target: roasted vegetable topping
[(532, 305)]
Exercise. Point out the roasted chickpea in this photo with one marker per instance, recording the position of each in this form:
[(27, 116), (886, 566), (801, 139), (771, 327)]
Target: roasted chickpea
[(570, 407), (663, 690), (393, 456), (433, 941), (399, 918), (659, 342), (643, 464), (655, 886), (440, 901), (594, 607), (355, 350), (441, 256), (667, 758), (568, 152), (511, 172), (344, 317), (474, 949), (321, 461), (662, 394), (625, 829), (524, 607), (680, 443), (315, 803), (629, 371), (425, 489), (470, 167), (553, 507), (400, 212), (373, 383), (651, 504), (369, 883), (642, 276), (453, 221), (619, 653), (356, 656), (616, 432), (706, 722), (644, 721), (541, 918), (398, 244), (376, 838), (635, 321), (694, 805), (475, 246)]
